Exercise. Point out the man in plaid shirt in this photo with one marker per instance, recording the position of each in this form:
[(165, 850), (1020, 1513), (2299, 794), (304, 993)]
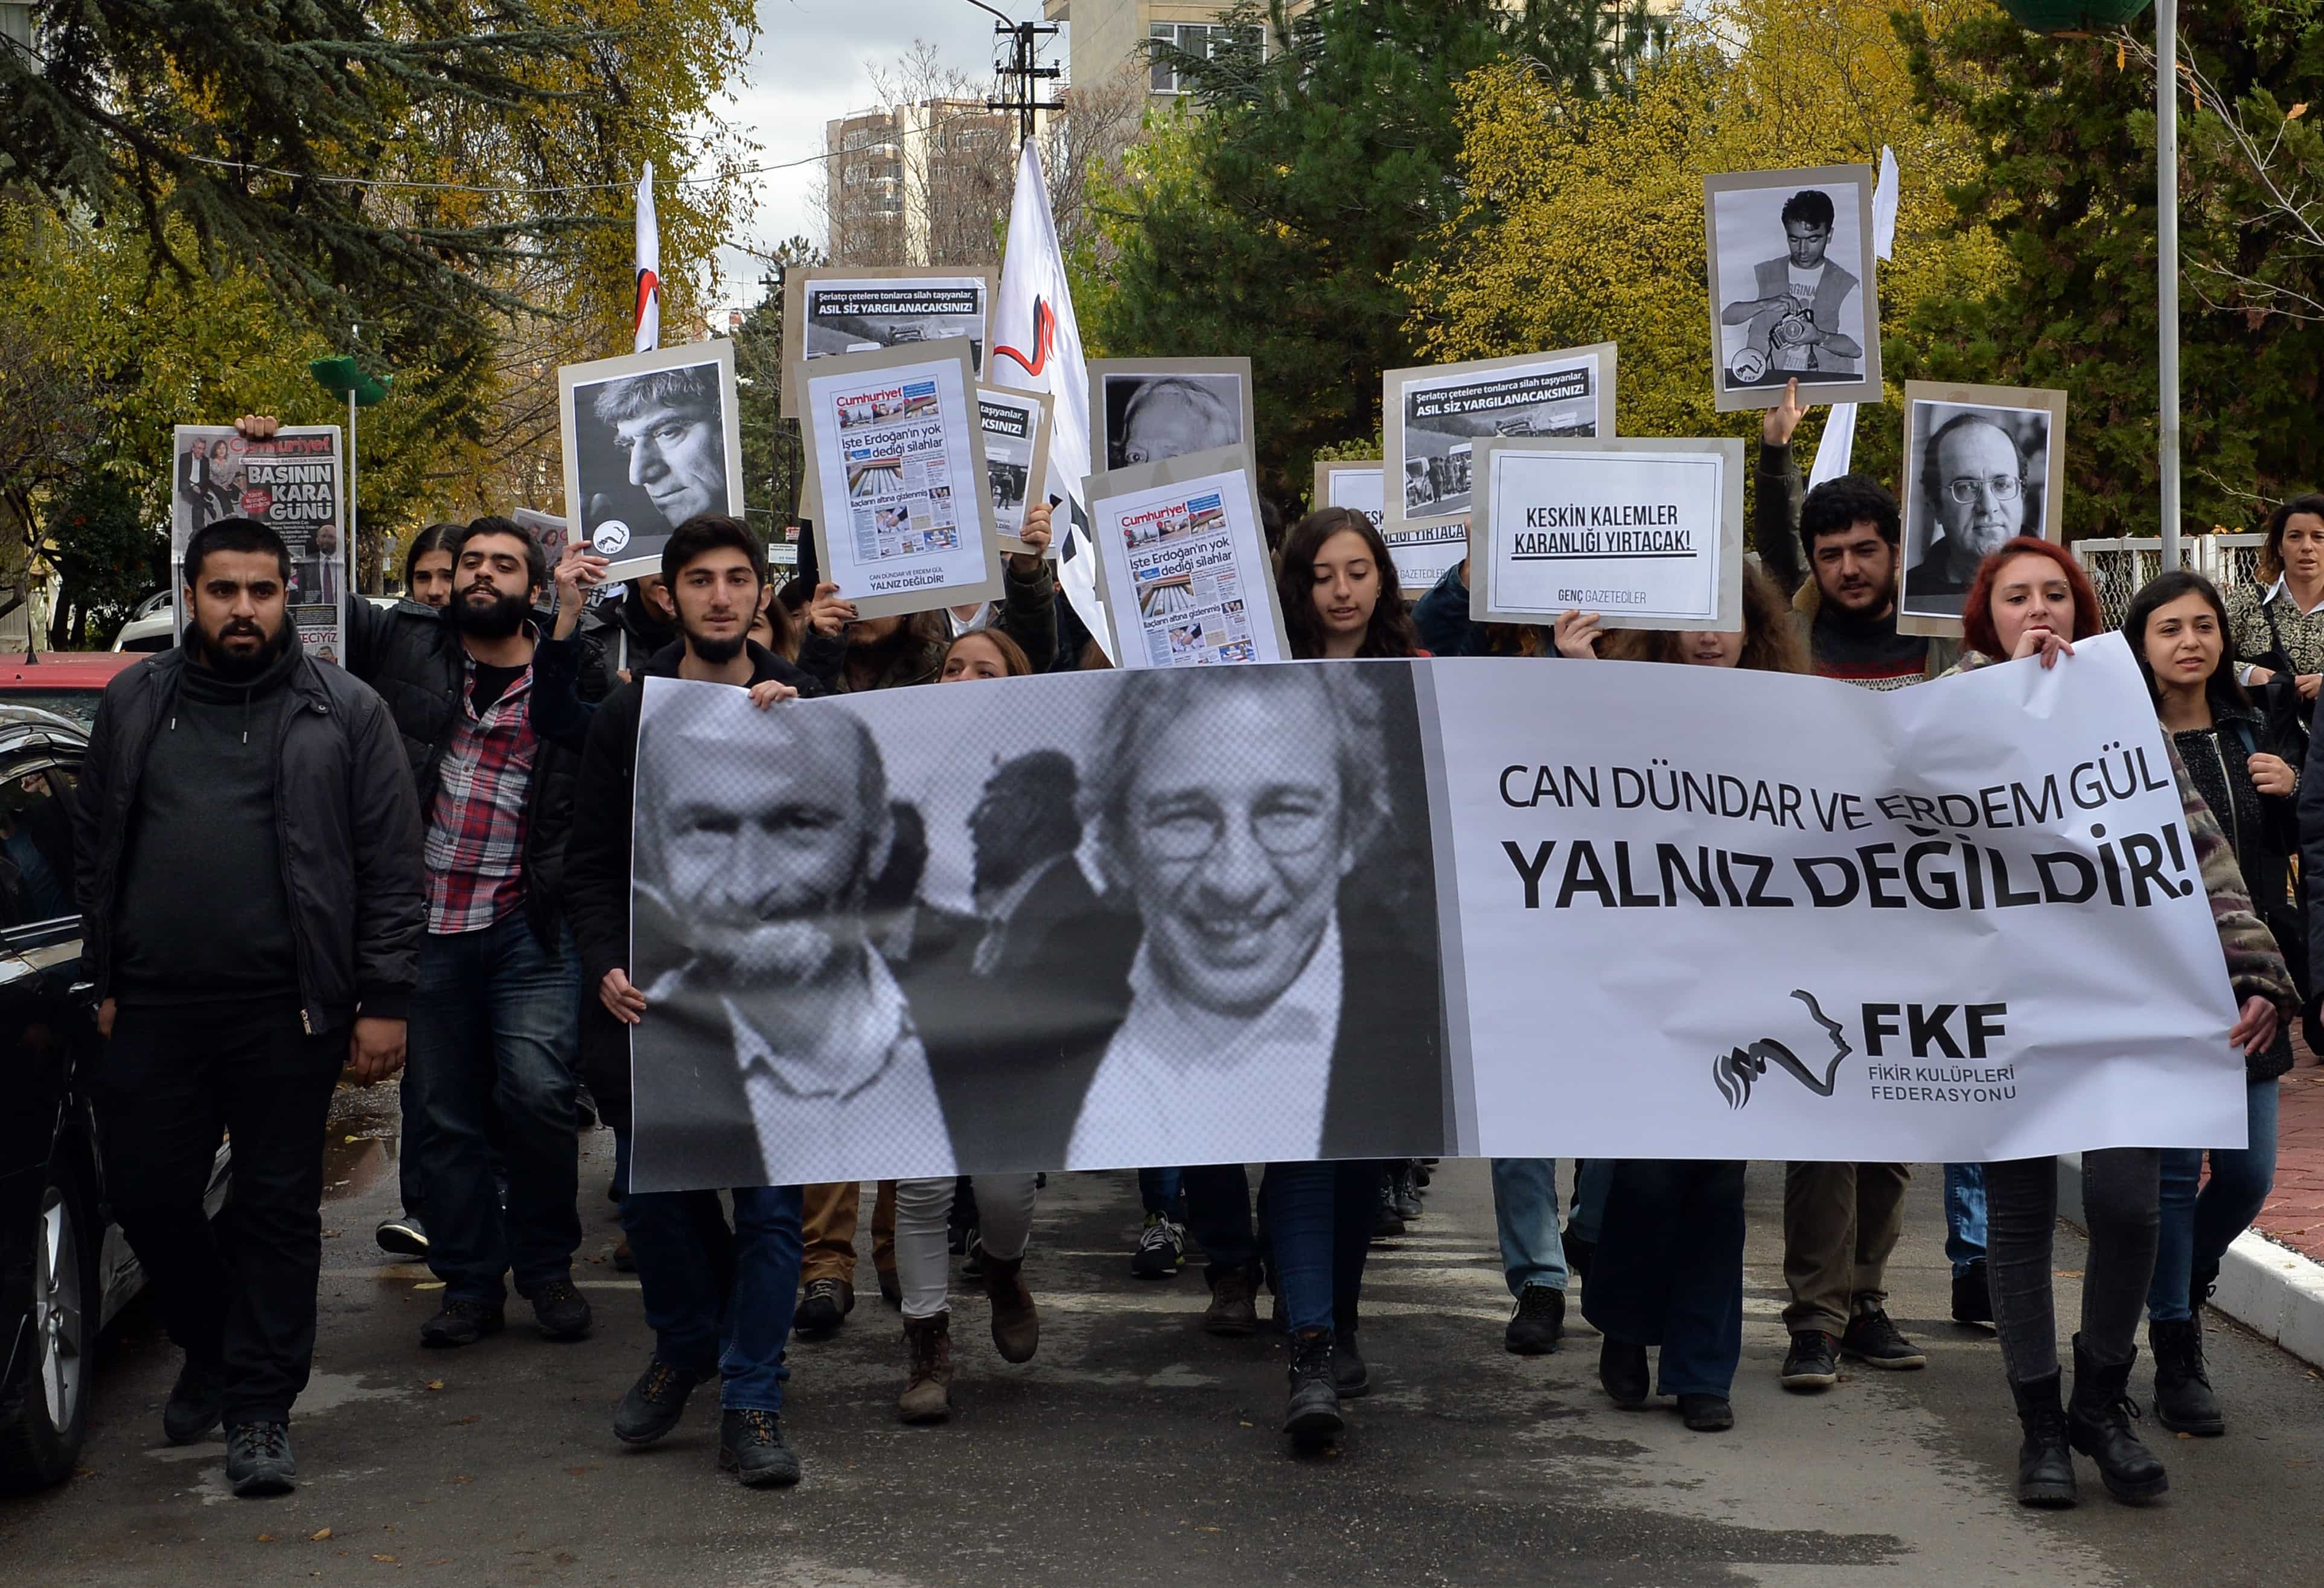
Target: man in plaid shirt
[(490, 1085)]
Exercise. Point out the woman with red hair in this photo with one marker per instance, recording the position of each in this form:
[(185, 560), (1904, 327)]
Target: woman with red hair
[(2031, 599)]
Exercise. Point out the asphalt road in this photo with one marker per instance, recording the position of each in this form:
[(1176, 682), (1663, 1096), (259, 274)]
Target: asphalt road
[(1137, 1449)]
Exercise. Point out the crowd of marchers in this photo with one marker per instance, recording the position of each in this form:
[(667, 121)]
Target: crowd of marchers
[(292, 872)]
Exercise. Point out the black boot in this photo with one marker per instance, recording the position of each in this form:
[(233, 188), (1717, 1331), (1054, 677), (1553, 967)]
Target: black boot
[(2183, 1401), (2045, 1464), (1313, 1416), (2097, 1424)]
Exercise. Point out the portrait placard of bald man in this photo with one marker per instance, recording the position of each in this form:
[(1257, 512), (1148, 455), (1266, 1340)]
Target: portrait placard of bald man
[(1148, 410), (783, 1049), (1979, 472)]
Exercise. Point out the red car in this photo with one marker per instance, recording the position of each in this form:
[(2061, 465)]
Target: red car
[(67, 682)]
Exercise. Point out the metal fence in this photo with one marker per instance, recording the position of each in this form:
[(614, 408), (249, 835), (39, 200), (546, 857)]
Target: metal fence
[(2120, 567)]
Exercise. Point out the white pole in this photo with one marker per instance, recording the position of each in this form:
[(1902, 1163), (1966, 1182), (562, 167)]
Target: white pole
[(2167, 212), (347, 529)]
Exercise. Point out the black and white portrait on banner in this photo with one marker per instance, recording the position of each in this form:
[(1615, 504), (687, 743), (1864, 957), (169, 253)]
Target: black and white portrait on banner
[(1149, 410), (1434, 416), (1982, 463), (1792, 295), (829, 311), (651, 439), (1088, 920)]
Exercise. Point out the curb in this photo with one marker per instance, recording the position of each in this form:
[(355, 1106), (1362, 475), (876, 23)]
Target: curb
[(2273, 1290)]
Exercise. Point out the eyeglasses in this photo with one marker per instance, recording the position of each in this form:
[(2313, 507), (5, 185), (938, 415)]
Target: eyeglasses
[(1190, 833), (2000, 488)]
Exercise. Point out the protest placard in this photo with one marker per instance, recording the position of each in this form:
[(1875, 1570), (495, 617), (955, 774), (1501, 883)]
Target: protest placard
[(895, 475), (1792, 288), (1994, 939), (293, 483), (1982, 463), (1185, 571), (1016, 428), (1435, 417), (1148, 410), (651, 439), (1648, 534), (1423, 554), (829, 311)]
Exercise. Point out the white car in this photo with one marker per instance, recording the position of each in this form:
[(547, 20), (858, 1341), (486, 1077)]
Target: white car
[(155, 627)]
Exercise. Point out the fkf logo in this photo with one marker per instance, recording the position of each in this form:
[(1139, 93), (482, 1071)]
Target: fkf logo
[(1950, 1031), (1929, 1029)]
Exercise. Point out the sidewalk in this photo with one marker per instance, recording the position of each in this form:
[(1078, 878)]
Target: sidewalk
[(2294, 1215)]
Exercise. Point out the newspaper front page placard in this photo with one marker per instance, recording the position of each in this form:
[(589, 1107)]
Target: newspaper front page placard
[(1435, 418), (1187, 578), (295, 484), (1016, 456), (895, 457), (829, 311)]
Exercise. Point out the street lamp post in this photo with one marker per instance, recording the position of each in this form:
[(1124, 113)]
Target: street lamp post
[(2166, 229), (344, 377)]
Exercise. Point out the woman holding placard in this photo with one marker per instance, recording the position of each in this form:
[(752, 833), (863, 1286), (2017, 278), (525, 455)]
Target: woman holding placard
[(1668, 1268), (2178, 628), (2031, 599)]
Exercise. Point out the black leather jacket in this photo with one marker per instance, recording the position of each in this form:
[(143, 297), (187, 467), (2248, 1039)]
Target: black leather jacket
[(345, 819)]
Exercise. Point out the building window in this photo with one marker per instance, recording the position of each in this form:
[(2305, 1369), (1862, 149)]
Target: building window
[(1205, 40)]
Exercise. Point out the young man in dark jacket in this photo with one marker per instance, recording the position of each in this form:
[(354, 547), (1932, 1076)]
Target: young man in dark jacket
[(1842, 1220), (718, 1304), (494, 1034), (248, 859)]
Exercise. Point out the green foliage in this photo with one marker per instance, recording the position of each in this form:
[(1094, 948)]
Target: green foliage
[(107, 558), (1271, 220), (2066, 183), (773, 457)]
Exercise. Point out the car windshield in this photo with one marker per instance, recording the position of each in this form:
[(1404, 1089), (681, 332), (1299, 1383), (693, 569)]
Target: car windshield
[(76, 705)]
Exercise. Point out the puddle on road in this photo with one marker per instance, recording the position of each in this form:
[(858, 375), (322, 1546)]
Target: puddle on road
[(364, 1141)]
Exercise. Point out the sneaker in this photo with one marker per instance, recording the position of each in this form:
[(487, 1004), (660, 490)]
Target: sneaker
[(654, 1403), (1233, 1311), (1872, 1340), (1538, 1322), (462, 1323), (1973, 1294), (1706, 1413), (1161, 1248), (751, 1446), (1813, 1362), (1313, 1415), (402, 1236), (824, 1307), (196, 1403), (1386, 1223), (625, 1261), (972, 1262), (560, 1311), (258, 1460)]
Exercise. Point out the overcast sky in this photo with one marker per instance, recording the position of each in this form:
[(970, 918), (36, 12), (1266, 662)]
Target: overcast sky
[(813, 60)]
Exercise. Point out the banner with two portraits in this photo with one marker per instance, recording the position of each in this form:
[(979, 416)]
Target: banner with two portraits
[(1410, 909)]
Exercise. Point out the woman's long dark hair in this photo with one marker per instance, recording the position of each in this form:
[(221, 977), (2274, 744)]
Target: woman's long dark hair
[(1390, 631), (444, 538), (2221, 689), (1771, 640)]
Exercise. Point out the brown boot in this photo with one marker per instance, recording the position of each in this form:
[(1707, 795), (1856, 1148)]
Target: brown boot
[(1233, 1311), (927, 1392), (1016, 1326)]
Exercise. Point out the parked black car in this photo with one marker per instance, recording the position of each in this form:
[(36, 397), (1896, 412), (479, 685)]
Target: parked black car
[(65, 1270)]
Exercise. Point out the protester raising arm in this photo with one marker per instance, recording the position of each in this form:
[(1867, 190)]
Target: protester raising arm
[(1775, 517)]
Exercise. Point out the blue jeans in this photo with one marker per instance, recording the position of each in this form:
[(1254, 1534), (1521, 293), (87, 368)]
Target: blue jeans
[(1525, 1211), (1157, 1191), (734, 1313), (1592, 1182), (2197, 1227), (1964, 1215), (494, 1026), (1669, 1269), (1319, 1225)]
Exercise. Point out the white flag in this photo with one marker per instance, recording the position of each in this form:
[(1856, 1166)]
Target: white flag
[(648, 267), (1036, 345), (1836, 450)]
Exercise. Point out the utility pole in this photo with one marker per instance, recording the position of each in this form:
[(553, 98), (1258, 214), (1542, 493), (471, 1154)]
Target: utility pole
[(1021, 72), (2166, 214)]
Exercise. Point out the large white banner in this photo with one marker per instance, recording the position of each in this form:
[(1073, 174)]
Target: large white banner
[(1380, 908)]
